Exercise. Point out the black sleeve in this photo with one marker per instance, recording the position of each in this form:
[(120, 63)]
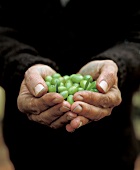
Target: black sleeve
[(16, 57), (126, 54)]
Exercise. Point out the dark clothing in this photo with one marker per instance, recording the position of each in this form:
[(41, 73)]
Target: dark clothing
[(66, 38)]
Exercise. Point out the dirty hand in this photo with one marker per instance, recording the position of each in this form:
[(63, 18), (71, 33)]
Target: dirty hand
[(93, 106), (40, 106)]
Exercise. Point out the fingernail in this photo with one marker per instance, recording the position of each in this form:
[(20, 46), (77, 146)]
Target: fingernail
[(103, 84), (69, 118), (79, 97), (80, 124), (38, 88), (64, 109), (77, 109)]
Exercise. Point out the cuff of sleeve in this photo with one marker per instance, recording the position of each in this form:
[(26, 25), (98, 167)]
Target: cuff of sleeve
[(28, 60), (17, 65)]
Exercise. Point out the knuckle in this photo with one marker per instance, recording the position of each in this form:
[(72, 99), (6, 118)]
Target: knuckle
[(99, 115), (109, 112), (118, 99), (34, 107), (105, 101)]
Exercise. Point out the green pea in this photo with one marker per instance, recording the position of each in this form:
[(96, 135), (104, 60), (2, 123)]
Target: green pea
[(72, 90), (64, 94), (70, 99)]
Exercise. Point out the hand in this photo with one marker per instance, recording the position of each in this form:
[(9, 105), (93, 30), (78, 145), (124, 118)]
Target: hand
[(40, 106), (93, 106)]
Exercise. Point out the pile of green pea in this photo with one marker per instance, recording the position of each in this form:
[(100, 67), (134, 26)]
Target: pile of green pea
[(67, 85)]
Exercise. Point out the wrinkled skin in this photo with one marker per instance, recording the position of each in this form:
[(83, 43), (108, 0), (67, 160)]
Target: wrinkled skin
[(52, 110)]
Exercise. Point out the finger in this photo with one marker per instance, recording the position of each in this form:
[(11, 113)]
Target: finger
[(69, 128), (89, 111), (109, 100), (34, 78), (51, 115), (107, 77), (104, 72), (76, 123), (63, 120), (34, 105)]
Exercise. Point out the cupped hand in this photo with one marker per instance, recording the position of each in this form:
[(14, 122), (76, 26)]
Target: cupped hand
[(34, 79), (93, 106), (45, 108)]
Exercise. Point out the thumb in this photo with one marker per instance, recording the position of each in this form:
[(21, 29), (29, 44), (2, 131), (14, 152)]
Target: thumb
[(34, 79), (107, 79), (36, 84), (102, 86)]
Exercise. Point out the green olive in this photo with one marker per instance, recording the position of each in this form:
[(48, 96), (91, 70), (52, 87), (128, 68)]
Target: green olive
[(64, 94), (76, 84), (62, 80), (61, 88), (86, 77), (87, 84), (80, 89), (66, 77), (83, 83), (61, 84), (55, 81), (72, 90), (56, 75), (68, 83), (52, 88), (92, 85), (76, 78), (48, 78), (94, 90), (48, 83), (70, 99)]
